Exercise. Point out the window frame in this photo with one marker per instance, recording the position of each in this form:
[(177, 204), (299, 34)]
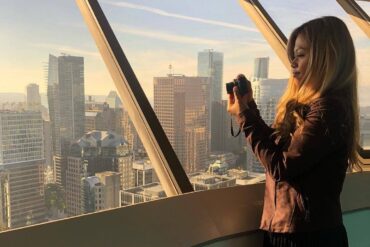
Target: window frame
[(207, 215), (164, 159), (357, 14)]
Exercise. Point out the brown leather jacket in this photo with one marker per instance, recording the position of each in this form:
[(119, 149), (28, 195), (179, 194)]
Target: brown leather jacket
[(305, 174)]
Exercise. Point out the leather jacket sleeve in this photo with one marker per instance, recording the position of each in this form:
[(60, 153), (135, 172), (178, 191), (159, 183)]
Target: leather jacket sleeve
[(308, 144)]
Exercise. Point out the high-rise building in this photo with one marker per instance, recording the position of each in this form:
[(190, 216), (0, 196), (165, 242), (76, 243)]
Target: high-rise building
[(365, 131), (196, 146), (105, 118), (210, 64), (101, 191), (221, 138), (92, 105), (75, 173), (227, 157), (66, 99), (48, 147), (33, 97), (21, 169), (95, 152), (140, 194), (143, 172), (181, 105), (111, 182), (130, 134), (92, 189), (206, 181), (113, 100), (261, 68), (266, 94)]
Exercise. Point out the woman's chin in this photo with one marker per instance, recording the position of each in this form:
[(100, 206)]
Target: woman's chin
[(297, 81)]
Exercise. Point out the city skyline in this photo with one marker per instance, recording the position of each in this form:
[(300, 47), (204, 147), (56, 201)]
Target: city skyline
[(162, 31), (83, 153)]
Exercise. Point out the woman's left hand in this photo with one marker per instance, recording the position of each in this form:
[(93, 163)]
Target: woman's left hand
[(237, 103)]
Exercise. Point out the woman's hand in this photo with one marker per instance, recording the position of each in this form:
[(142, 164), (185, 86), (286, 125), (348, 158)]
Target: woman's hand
[(237, 103)]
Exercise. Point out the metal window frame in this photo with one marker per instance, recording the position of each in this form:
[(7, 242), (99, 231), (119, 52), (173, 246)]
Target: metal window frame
[(164, 160), (266, 25), (362, 20), (202, 217), (357, 14)]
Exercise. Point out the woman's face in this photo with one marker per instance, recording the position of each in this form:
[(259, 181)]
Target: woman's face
[(300, 59)]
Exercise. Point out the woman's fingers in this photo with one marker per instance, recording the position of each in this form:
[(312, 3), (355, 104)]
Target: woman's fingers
[(231, 98), (232, 104), (236, 94)]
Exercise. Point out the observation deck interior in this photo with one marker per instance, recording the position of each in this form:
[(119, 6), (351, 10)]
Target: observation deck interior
[(220, 217)]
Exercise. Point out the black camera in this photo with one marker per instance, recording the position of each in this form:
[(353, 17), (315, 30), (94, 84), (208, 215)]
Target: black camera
[(241, 82)]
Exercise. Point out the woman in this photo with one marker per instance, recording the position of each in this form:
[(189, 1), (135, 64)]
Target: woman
[(312, 141)]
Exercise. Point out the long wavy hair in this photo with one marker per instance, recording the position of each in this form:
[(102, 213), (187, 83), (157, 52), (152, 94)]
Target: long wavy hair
[(331, 68)]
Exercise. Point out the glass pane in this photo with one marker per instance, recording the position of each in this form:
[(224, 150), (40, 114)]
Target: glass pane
[(183, 53), (290, 14), (67, 145), (365, 111)]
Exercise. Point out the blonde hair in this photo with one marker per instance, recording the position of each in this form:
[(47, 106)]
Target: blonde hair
[(331, 68)]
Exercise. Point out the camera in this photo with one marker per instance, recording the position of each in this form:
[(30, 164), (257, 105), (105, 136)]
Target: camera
[(241, 82)]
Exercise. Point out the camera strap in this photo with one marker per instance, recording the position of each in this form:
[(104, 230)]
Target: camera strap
[(232, 129)]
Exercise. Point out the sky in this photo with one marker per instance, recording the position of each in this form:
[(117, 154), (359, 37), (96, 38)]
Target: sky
[(153, 35)]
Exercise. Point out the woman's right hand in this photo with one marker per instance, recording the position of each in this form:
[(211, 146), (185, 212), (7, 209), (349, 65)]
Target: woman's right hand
[(237, 103)]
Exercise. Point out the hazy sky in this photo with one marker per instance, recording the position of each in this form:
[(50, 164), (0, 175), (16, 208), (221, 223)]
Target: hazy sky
[(153, 34)]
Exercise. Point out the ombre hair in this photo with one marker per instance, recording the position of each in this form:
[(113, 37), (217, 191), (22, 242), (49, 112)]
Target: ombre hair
[(331, 68)]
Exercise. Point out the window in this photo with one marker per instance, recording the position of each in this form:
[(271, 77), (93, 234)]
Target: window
[(178, 52), (65, 135)]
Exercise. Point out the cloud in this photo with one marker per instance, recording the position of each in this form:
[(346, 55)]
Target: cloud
[(67, 49), (166, 36), (177, 16)]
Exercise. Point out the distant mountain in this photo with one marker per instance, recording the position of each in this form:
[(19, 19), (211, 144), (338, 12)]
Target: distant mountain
[(12, 97)]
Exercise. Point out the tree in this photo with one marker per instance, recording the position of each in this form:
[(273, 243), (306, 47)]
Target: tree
[(54, 197)]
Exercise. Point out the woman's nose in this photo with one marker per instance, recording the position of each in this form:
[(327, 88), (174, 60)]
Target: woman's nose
[(294, 64)]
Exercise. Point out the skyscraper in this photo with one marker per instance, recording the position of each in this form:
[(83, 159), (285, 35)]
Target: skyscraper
[(106, 118), (365, 131), (48, 147), (113, 100), (95, 152), (130, 134), (210, 64), (261, 68), (21, 174), (143, 172), (33, 97), (221, 139), (181, 105), (101, 191), (66, 107), (266, 94)]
